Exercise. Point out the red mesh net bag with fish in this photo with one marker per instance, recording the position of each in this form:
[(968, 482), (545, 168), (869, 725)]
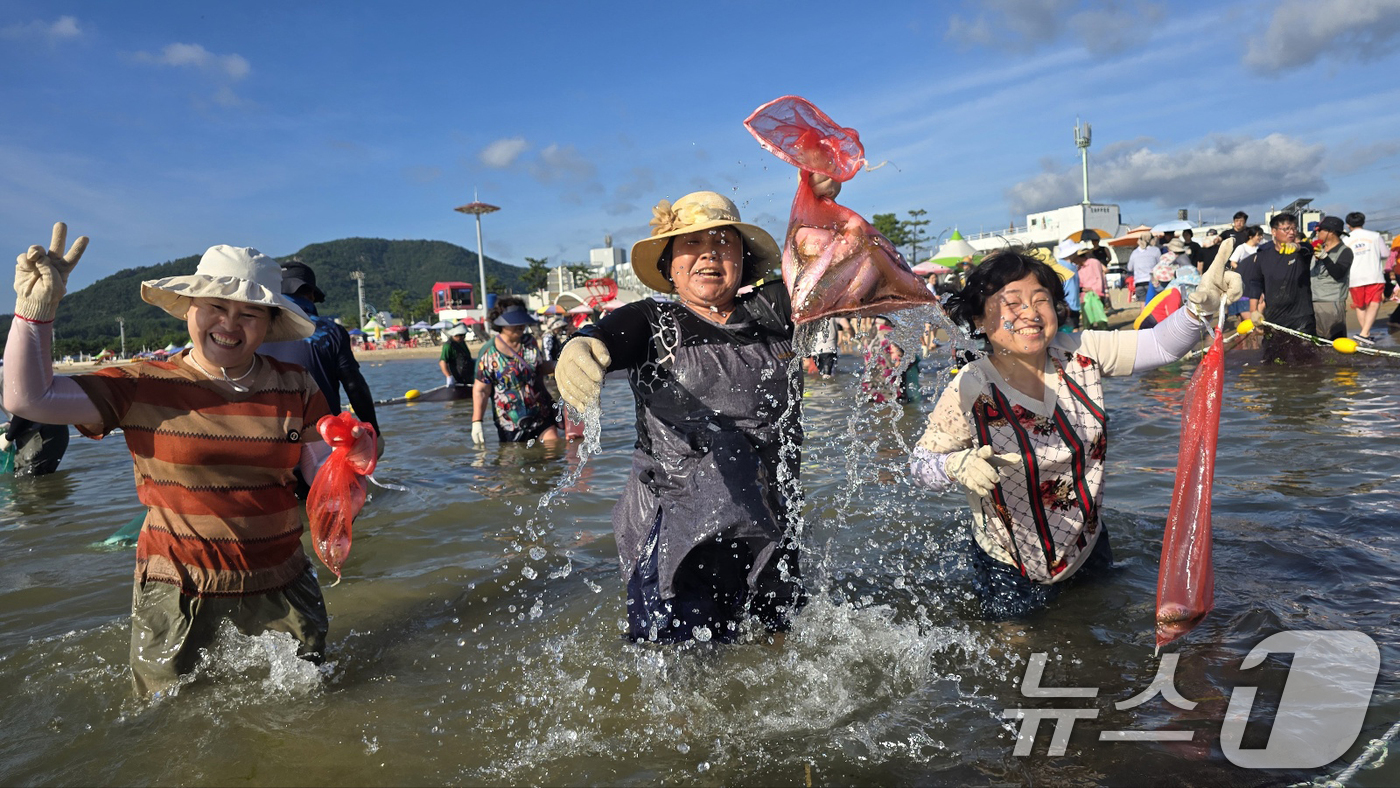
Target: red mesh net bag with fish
[(834, 262), (1185, 577), (338, 493)]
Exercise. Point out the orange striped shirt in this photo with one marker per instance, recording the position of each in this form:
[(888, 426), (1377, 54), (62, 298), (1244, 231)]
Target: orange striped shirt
[(214, 468)]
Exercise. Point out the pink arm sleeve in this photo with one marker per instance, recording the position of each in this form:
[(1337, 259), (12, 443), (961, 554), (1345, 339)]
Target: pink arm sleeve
[(31, 390)]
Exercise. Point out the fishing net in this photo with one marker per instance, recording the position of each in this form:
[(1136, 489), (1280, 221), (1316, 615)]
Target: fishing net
[(1185, 578), (338, 493), (834, 262)]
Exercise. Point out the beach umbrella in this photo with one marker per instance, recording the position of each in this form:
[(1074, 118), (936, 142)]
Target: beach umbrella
[(1090, 234), (441, 325), (469, 321), (581, 309), (1130, 238), (1174, 226), (930, 267), (554, 309), (613, 304), (355, 332), (419, 326)]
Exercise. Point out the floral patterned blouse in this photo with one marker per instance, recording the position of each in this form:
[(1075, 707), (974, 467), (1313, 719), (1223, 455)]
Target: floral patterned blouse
[(1043, 518), (518, 397)]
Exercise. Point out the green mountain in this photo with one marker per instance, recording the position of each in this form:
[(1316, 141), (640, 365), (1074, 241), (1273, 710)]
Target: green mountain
[(87, 319)]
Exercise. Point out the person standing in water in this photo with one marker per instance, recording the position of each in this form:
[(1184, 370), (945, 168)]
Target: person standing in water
[(215, 435), (510, 379), (455, 360), (702, 527), (1023, 429)]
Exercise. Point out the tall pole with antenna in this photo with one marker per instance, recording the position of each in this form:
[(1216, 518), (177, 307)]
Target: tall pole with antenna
[(477, 208), (359, 277), (1081, 141)]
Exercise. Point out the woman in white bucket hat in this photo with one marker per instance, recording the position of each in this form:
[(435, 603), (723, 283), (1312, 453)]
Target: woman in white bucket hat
[(215, 433)]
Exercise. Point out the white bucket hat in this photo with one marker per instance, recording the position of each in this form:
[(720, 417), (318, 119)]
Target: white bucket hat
[(238, 274), (1069, 248)]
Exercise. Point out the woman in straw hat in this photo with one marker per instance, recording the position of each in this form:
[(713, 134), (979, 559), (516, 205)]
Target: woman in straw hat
[(702, 525), (215, 433)]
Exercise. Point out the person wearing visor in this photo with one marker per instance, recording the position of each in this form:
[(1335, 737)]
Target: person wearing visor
[(702, 527), (215, 434), (510, 378)]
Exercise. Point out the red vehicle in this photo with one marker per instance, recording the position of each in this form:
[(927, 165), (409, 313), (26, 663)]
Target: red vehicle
[(454, 301)]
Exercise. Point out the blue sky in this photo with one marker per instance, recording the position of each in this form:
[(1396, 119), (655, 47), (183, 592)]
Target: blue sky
[(160, 129)]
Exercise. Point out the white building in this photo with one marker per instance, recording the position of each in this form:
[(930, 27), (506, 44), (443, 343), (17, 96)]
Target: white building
[(1051, 227)]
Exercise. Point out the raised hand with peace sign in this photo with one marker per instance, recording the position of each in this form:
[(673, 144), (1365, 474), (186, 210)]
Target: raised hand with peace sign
[(41, 277)]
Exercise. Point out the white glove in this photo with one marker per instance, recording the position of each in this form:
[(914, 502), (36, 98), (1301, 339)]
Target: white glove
[(5, 442), (580, 371), (478, 436), (41, 278), (1218, 285), (978, 469)]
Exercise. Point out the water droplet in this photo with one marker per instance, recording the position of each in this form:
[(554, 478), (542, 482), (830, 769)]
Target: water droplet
[(537, 553)]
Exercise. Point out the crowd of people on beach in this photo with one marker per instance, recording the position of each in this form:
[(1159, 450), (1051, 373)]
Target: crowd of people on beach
[(223, 435)]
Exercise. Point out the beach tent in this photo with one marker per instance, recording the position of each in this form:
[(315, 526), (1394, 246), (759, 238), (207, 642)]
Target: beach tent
[(954, 250), (930, 267)]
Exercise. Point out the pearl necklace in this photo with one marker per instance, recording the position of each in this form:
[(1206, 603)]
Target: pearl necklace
[(231, 381), (714, 310)]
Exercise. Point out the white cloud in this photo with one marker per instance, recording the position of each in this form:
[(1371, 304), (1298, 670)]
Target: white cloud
[(64, 28), (1103, 27), (1302, 32), (503, 152), (234, 67), (1221, 172), (561, 162)]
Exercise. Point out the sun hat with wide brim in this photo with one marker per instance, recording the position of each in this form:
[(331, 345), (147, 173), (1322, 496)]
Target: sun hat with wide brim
[(692, 213), (237, 274)]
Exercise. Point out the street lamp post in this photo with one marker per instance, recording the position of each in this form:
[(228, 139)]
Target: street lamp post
[(121, 321), (477, 209)]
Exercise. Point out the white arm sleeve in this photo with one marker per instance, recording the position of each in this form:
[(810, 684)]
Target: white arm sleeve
[(31, 390)]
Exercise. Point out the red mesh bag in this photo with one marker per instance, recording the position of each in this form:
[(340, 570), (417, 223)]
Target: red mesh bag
[(834, 262), (1185, 578), (338, 493)]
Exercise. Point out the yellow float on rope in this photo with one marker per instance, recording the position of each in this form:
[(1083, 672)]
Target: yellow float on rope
[(1245, 326), (1344, 345), (412, 394)]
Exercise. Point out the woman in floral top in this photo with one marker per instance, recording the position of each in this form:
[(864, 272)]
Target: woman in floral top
[(510, 378), (1023, 429)]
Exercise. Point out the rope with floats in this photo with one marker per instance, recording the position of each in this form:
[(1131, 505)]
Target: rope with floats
[(1376, 750), (1344, 345)]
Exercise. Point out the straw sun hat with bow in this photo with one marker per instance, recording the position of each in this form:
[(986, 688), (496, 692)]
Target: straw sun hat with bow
[(692, 213), (237, 274)]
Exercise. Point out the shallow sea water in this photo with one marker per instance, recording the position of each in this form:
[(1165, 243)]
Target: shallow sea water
[(475, 638)]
